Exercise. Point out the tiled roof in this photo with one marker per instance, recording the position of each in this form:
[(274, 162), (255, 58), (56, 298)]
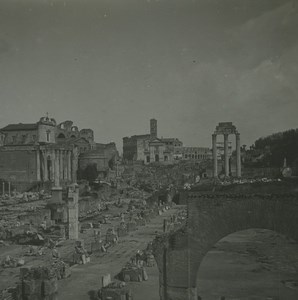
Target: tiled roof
[(20, 126)]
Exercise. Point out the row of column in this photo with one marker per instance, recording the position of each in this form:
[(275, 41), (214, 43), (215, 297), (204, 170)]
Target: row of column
[(55, 165), (226, 155)]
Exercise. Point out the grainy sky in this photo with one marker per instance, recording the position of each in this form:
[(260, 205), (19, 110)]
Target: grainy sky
[(111, 65)]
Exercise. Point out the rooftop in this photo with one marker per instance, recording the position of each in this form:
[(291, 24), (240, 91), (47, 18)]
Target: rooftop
[(20, 126)]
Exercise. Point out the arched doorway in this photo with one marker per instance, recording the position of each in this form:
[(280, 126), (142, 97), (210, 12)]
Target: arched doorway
[(156, 157)]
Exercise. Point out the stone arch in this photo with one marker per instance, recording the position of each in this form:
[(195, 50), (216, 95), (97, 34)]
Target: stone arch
[(211, 218)]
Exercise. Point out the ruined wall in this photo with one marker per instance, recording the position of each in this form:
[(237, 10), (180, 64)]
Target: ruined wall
[(18, 165), (211, 217), (36, 217), (88, 204), (20, 137), (93, 157)]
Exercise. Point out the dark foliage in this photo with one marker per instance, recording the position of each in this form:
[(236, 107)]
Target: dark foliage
[(278, 146)]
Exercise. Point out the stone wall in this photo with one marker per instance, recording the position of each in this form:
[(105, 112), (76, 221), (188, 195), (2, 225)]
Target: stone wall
[(18, 165), (211, 217), (42, 133)]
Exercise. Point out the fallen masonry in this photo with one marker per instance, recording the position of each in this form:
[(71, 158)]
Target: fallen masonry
[(114, 290)]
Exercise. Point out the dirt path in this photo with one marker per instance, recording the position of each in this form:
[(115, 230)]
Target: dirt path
[(87, 278)]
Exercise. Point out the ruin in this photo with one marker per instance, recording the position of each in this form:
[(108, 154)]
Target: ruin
[(211, 217), (225, 129)]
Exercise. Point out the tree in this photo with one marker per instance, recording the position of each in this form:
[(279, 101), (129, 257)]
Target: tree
[(90, 172)]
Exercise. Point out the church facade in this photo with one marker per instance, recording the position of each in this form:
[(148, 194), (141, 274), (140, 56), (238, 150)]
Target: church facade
[(43, 153)]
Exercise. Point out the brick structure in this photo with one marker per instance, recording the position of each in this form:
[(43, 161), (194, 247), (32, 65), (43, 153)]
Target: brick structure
[(211, 217)]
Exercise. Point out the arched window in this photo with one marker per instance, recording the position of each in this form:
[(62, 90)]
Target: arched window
[(48, 135), (61, 136)]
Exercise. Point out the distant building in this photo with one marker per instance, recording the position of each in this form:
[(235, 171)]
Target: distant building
[(196, 153), (36, 154), (103, 156), (44, 154), (148, 148), (221, 149)]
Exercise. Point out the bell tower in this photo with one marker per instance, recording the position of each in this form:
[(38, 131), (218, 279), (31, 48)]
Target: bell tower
[(153, 128)]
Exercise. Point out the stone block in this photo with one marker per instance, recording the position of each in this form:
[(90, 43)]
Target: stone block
[(96, 246), (28, 287), (24, 272), (96, 225), (122, 231), (49, 287), (106, 280), (131, 226), (79, 243)]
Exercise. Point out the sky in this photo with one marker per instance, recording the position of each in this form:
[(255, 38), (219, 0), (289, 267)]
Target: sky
[(111, 65)]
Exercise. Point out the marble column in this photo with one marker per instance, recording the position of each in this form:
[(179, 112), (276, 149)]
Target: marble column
[(64, 165), (214, 150), (57, 171), (45, 166), (238, 155), (74, 164), (69, 165), (61, 165), (38, 165), (52, 165), (226, 154)]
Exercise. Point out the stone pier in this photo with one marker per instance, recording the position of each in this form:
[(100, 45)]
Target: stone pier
[(73, 211)]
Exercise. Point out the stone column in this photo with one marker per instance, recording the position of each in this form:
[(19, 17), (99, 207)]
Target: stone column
[(45, 166), (3, 188), (238, 155), (73, 212), (65, 165), (74, 164), (61, 165), (52, 171), (226, 153), (69, 165), (214, 150), (57, 171), (37, 165)]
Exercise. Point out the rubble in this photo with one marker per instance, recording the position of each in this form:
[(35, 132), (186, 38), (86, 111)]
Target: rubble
[(80, 255), (37, 283), (133, 272), (11, 262), (114, 290)]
